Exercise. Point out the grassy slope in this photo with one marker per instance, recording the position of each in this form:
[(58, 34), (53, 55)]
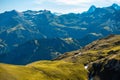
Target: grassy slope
[(97, 50), (43, 70)]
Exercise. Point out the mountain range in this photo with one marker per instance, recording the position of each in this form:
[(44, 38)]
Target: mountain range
[(42, 35)]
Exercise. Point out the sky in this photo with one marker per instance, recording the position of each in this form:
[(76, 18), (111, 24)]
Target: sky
[(59, 6)]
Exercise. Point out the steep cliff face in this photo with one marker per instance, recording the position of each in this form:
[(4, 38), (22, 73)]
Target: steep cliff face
[(106, 69)]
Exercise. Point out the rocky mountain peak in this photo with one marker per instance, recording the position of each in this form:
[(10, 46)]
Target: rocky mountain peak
[(116, 6), (91, 9)]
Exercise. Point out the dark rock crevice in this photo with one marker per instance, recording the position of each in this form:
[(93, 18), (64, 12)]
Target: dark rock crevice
[(107, 70)]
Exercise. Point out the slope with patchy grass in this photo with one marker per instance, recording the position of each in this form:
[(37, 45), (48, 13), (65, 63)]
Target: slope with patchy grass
[(97, 50)]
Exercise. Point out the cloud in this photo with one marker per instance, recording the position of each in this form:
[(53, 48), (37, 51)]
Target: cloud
[(77, 2), (64, 2), (66, 6), (73, 2)]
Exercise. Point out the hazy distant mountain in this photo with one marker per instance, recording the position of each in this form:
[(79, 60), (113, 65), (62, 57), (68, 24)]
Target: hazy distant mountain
[(19, 30), (39, 50)]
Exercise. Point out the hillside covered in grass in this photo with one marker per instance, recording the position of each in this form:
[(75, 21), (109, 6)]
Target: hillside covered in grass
[(99, 60), (44, 70)]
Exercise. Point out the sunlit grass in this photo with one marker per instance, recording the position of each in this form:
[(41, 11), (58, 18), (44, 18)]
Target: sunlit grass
[(44, 70)]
